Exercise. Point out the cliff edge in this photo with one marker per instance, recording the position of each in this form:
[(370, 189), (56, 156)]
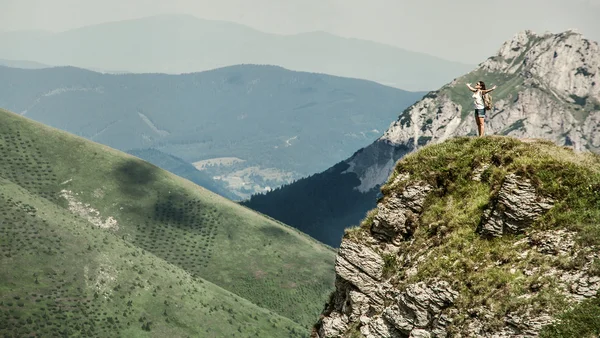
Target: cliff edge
[(475, 237)]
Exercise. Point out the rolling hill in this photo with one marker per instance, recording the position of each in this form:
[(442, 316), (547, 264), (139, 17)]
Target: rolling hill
[(61, 277), (96, 241), (548, 88), (281, 124), (184, 44)]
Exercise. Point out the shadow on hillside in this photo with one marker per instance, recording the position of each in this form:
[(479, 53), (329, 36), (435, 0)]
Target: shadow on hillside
[(134, 176), (138, 180), (175, 209), (276, 233)]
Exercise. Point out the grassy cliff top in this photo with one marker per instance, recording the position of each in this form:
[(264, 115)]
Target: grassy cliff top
[(571, 179), (506, 274)]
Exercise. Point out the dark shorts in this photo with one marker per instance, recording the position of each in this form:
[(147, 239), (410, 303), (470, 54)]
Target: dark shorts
[(479, 112)]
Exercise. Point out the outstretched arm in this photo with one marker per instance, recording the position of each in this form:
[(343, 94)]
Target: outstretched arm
[(471, 88), (489, 90)]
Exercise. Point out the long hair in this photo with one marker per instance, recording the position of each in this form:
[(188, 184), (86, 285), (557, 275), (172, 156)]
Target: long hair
[(482, 85)]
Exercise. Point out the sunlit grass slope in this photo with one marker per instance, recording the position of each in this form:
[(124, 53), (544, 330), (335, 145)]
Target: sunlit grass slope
[(63, 277), (268, 263)]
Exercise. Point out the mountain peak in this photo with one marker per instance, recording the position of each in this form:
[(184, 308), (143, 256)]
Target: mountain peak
[(547, 87), (567, 64), (543, 81)]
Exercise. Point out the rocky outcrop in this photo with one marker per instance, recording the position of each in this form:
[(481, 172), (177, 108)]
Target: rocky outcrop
[(418, 311), (548, 88), (376, 295), (396, 218), (365, 300), (517, 206)]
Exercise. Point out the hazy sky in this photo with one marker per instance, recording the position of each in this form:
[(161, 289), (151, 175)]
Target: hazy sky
[(460, 30)]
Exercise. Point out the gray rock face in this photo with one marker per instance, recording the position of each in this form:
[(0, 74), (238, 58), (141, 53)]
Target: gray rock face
[(395, 218), (566, 61), (579, 285), (360, 266), (416, 312), (517, 326), (418, 333), (517, 207), (365, 259), (420, 307), (528, 325), (334, 325), (553, 242), (380, 328), (591, 127), (364, 296)]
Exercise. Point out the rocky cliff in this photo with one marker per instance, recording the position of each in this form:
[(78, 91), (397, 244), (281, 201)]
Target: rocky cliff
[(548, 87), (475, 237)]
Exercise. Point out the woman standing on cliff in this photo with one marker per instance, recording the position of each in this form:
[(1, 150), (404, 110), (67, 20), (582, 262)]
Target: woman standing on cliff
[(478, 92)]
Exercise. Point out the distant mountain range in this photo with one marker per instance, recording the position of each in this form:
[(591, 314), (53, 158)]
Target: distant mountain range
[(22, 64), (275, 125), (548, 87), (184, 44)]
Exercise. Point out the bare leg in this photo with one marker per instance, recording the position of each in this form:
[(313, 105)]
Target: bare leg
[(481, 125), (478, 122)]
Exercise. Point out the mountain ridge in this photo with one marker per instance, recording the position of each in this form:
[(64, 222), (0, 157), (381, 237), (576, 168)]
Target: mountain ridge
[(190, 44), (526, 105), (251, 112)]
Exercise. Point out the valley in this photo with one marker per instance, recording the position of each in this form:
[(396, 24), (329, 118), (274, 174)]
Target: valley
[(283, 124)]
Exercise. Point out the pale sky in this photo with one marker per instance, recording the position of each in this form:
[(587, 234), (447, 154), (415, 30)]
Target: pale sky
[(458, 30)]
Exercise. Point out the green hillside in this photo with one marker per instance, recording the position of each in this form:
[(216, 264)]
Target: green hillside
[(60, 276), (136, 204)]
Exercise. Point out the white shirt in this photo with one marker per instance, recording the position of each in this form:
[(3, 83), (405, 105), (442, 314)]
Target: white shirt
[(478, 100)]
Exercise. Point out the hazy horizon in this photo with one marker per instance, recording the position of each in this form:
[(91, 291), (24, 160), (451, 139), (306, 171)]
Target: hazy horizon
[(433, 27)]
